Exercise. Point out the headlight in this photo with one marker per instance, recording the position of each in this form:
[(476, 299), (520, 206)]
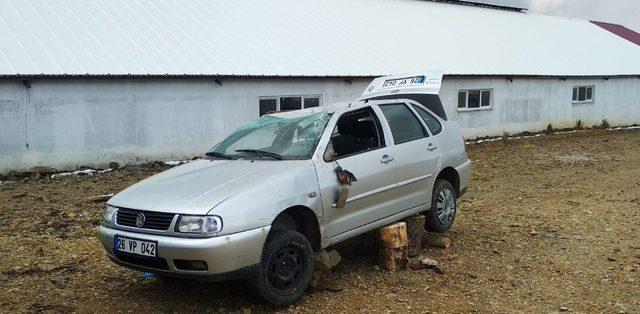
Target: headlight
[(109, 215), (199, 224)]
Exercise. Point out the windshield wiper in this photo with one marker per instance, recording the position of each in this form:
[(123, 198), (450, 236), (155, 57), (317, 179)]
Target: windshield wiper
[(216, 154), (260, 153)]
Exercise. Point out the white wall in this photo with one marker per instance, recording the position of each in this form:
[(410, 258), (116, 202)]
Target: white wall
[(65, 123), (531, 104)]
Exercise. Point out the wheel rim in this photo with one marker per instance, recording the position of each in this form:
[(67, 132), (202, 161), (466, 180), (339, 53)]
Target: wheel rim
[(286, 267), (446, 206)]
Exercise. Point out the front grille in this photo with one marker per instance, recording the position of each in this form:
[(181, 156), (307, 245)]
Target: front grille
[(157, 263), (153, 220)]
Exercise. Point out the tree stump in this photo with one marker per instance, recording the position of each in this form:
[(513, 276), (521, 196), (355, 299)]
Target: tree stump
[(436, 240), (415, 231), (393, 246)]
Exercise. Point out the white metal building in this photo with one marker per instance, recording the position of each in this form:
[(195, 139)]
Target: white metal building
[(89, 82)]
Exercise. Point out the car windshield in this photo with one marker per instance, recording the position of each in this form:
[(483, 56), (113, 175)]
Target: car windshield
[(271, 137)]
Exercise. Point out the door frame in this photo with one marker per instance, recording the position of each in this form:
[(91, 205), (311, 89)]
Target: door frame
[(329, 176)]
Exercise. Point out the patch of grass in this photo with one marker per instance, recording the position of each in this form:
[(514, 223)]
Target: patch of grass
[(550, 128), (506, 136)]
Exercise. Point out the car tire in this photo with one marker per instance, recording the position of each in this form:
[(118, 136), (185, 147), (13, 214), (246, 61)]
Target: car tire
[(285, 269), (443, 209)]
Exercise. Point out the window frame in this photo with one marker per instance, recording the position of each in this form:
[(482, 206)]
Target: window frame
[(576, 90), (382, 139), (425, 129), (481, 90), (302, 97), (415, 108)]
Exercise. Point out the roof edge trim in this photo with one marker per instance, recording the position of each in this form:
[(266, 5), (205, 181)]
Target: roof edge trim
[(483, 5), (347, 78)]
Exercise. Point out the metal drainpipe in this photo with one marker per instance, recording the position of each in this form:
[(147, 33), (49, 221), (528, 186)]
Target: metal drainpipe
[(27, 97)]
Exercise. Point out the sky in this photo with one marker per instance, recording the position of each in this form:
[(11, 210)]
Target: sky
[(625, 12)]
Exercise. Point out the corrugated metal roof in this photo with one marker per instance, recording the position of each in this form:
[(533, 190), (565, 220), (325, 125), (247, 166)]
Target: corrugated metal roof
[(621, 31), (298, 38)]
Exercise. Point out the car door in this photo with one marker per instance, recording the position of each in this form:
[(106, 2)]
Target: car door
[(435, 144), (416, 155), (359, 142)]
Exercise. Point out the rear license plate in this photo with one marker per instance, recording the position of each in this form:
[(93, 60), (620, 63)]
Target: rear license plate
[(135, 246), (404, 82)]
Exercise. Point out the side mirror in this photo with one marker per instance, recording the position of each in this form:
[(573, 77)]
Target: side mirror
[(329, 153)]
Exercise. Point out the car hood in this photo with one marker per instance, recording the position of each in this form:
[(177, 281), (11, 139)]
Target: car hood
[(199, 186)]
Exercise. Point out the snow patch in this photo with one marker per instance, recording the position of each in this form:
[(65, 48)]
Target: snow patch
[(635, 127), (80, 172), (89, 172), (176, 162)]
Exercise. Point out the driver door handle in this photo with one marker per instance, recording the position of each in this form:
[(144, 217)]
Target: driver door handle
[(386, 159), (432, 146)]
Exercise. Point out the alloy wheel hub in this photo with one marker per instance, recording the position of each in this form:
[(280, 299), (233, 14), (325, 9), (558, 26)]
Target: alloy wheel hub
[(445, 206)]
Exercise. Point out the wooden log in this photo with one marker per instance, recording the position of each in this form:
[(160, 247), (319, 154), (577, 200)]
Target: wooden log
[(394, 259), (415, 231), (436, 240), (393, 235), (99, 198), (393, 246)]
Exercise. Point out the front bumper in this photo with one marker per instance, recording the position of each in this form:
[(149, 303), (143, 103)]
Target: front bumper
[(227, 257)]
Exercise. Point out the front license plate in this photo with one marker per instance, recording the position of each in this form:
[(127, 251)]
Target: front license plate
[(135, 246)]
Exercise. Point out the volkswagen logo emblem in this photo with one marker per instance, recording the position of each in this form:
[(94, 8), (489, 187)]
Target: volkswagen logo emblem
[(140, 220)]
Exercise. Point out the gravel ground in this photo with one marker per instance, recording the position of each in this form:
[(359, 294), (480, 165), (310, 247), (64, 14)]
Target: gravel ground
[(549, 224)]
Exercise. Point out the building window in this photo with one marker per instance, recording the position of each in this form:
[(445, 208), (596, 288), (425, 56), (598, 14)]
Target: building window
[(310, 102), (290, 103), (267, 105), (474, 99), (286, 103), (583, 94)]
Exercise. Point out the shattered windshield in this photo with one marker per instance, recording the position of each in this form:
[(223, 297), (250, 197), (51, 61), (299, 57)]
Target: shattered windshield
[(271, 137)]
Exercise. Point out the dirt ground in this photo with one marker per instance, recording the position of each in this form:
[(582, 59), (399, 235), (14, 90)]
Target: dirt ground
[(549, 224)]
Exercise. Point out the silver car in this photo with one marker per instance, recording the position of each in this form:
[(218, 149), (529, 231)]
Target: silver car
[(265, 198)]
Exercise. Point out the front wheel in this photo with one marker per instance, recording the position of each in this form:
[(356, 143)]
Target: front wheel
[(286, 268), (443, 207)]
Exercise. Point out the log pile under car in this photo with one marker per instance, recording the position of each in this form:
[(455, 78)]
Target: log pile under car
[(393, 248), (399, 241)]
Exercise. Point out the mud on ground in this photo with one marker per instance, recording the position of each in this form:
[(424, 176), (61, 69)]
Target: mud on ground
[(549, 224)]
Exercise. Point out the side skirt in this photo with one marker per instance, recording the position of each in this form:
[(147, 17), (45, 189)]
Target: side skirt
[(377, 224)]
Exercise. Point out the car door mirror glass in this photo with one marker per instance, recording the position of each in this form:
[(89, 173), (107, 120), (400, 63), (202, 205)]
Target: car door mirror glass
[(329, 153)]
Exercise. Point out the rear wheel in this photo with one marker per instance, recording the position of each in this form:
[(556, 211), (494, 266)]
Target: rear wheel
[(285, 269), (443, 207)]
